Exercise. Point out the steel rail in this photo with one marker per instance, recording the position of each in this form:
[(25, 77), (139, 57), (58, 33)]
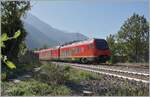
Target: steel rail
[(123, 71), (120, 76), (92, 69)]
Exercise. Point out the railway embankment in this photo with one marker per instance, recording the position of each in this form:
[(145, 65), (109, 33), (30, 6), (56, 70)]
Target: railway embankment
[(55, 79), (128, 72)]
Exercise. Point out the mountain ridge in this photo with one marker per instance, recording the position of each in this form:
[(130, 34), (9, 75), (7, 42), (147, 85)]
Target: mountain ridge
[(37, 28)]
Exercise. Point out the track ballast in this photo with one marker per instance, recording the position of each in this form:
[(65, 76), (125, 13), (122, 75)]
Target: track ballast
[(125, 74)]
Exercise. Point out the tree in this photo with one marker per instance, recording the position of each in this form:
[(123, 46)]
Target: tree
[(134, 38), (112, 45), (111, 42), (4, 38), (45, 46), (11, 13)]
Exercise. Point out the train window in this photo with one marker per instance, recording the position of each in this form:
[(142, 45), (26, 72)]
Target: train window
[(90, 46), (73, 50), (101, 44), (78, 50), (67, 53), (63, 53), (82, 49), (70, 52), (49, 53)]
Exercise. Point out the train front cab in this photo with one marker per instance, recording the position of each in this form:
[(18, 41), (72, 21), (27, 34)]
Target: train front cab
[(101, 50)]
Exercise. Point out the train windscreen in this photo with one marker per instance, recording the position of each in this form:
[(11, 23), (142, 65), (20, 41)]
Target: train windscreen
[(101, 44)]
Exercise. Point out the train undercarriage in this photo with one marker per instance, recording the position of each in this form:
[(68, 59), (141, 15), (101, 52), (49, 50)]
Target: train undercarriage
[(84, 60)]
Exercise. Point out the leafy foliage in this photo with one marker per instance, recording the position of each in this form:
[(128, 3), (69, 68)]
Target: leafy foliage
[(11, 13), (53, 74), (26, 88), (60, 90), (4, 38), (111, 42), (80, 75), (11, 39), (3, 76), (132, 40), (134, 35), (100, 85), (33, 88)]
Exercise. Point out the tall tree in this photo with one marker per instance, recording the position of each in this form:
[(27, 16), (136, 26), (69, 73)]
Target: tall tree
[(115, 47), (45, 46), (11, 13), (134, 38), (111, 43)]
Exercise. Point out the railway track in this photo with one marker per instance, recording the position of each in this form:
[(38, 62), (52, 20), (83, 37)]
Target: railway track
[(125, 74)]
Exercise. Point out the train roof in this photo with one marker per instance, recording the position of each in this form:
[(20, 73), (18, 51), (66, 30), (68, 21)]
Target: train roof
[(72, 44), (79, 43), (43, 50)]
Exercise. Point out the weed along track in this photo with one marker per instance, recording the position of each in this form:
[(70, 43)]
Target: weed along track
[(125, 74)]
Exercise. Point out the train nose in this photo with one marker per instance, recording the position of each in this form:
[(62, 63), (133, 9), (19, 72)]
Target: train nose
[(103, 53)]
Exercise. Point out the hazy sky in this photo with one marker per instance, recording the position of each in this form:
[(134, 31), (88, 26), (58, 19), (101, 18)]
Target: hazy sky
[(93, 18)]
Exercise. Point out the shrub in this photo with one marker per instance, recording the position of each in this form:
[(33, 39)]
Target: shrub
[(3, 76), (26, 88), (61, 91), (18, 91), (38, 88), (79, 75), (53, 74), (33, 88)]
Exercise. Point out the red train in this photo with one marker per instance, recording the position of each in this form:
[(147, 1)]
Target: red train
[(93, 50)]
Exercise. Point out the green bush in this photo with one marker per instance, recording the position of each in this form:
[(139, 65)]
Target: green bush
[(53, 74), (18, 91), (61, 91), (33, 88), (38, 88), (79, 75), (3, 76), (26, 88)]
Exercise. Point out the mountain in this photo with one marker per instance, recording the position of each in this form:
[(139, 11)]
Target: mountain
[(36, 39), (40, 34)]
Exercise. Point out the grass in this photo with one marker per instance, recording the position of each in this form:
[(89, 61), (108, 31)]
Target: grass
[(33, 88), (105, 85), (51, 82), (77, 75)]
